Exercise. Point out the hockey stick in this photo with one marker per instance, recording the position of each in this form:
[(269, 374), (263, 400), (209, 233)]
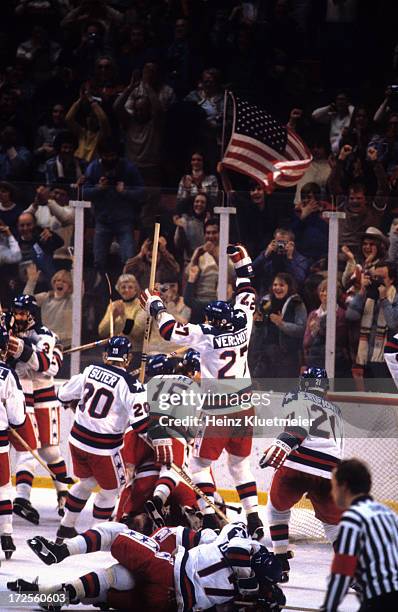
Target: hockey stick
[(188, 480), (111, 321), (85, 347), (148, 323), (64, 479)]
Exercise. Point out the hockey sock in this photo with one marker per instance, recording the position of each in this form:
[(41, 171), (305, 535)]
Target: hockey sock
[(5, 510), (24, 474), (104, 504), (92, 540), (280, 537), (248, 496), (244, 482)]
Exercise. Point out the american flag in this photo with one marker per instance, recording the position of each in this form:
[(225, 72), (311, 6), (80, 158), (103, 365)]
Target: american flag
[(263, 149)]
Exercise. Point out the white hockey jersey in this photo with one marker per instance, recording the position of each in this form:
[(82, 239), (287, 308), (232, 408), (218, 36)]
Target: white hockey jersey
[(223, 352), (175, 400), (110, 400), (12, 404), (38, 364), (317, 427), (208, 574)]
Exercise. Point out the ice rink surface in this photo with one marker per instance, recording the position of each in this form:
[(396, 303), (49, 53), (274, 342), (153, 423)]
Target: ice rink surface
[(309, 568)]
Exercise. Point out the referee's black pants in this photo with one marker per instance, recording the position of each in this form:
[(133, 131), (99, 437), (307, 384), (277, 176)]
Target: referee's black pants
[(384, 603)]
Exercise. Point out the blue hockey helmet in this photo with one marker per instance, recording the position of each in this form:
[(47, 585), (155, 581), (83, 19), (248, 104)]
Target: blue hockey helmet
[(4, 338), (191, 361), (26, 312), (118, 350), (159, 365), (266, 566), (219, 313), (314, 379)]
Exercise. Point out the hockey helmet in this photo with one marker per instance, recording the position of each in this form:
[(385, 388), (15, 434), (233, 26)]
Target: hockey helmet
[(314, 379), (219, 313), (158, 365), (118, 350), (26, 312), (191, 361)]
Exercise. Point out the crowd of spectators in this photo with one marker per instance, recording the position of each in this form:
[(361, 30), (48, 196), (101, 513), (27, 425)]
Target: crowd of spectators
[(121, 103)]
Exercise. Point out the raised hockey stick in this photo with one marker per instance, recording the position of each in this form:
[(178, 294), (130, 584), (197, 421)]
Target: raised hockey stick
[(148, 324), (85, 347), (64, 479), (111, 320)]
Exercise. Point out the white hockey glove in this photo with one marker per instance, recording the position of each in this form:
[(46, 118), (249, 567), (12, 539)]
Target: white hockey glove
[(15, 347), (150, 302), (241, 260), (275, 455)]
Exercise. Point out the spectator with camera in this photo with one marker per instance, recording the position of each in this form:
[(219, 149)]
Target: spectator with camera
[(115, 188), (278, 332), (280, 255), (338, 115), (310, 230), (89, 124), (140, 265), (362, 210), (375, 306)]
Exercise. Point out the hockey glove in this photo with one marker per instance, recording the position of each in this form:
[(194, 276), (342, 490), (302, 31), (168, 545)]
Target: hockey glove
[(275, 455), (150, 302), (241, 260), (163, 449), (15, 347)]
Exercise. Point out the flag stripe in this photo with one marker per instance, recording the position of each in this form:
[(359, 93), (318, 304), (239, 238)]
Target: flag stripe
[(263, 149)]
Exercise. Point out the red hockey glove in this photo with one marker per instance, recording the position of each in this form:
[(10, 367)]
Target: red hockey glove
[(150, 302), (275, 455), (163, 448), (241, 260)]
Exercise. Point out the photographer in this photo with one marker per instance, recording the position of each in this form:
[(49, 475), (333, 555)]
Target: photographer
[(115, 188), (88, 122), (376, 307), (280, 256), (140, 265)]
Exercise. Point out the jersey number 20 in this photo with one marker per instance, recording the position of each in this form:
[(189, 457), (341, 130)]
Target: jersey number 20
[(98, 402)]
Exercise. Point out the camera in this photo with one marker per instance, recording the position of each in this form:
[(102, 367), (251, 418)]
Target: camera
[(281, 247), (372, 290)]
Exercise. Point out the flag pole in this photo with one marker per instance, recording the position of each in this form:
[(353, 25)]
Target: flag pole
[(225, 210)]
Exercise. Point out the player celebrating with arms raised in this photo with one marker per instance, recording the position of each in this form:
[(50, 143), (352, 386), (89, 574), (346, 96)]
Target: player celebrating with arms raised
[(222, 342), (303, 459)]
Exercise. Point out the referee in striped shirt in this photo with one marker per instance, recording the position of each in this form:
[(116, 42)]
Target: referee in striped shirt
[(366, 549)]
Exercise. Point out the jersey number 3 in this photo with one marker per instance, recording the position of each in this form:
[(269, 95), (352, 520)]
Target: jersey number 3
[(98, 402)]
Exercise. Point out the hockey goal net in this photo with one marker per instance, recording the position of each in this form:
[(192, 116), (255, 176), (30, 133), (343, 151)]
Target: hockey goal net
[(379, 449)]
